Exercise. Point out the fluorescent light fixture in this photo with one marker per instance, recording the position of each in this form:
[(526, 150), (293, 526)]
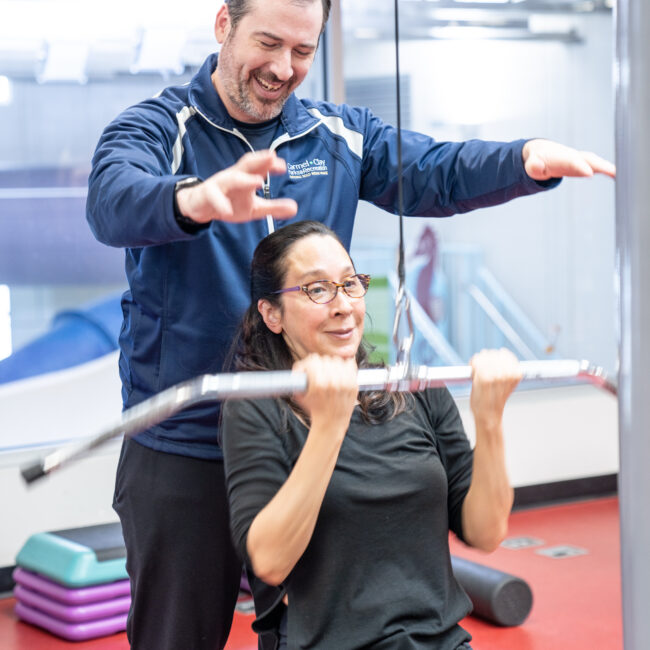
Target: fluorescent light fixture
[(5, 320), (108, 57), (368, 33), (65, 61), (142, 36), (160, 51), (547, 23), (6, 91), (463, 32)]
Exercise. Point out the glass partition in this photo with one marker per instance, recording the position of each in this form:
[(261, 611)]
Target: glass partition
[(66, 70), (537, 274)]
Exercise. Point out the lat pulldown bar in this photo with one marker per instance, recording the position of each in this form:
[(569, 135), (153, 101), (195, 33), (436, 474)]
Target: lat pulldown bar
[(286, 382)]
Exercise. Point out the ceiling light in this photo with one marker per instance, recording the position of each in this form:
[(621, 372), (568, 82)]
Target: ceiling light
[(65, 61), (486, 2), (160, 51), (6, 91)]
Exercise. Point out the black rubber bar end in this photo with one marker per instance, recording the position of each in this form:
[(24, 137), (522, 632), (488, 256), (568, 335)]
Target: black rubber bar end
[(33, 472)]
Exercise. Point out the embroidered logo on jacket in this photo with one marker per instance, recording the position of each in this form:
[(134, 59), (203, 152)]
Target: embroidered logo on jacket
[(313, 167)]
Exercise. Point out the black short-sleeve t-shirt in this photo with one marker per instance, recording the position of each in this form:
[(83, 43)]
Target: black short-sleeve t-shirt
[(377, 570)]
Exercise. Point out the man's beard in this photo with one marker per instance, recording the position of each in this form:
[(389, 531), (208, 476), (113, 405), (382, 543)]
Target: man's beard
[(241, 94), (257, 107)]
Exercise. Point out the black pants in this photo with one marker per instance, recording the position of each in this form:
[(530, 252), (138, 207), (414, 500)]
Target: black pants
[(282, 639), (183, 568)]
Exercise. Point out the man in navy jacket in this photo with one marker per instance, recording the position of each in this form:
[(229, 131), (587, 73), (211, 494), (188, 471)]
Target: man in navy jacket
[(188, 182)]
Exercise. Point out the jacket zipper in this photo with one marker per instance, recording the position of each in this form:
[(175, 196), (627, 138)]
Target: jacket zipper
[(270, 225), (266, 186)]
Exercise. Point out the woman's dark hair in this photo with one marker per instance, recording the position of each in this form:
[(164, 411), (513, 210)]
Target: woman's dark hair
[(256, 347), (239, 8)]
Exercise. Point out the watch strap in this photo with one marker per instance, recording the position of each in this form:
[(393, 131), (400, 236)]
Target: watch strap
[(186, 224)]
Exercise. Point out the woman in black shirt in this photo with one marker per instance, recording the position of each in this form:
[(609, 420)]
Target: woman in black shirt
[(345, 499)]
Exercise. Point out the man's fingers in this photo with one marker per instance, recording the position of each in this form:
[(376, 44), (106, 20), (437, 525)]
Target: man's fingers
[(600, 165), (232, 193), (536, 168), (261, 162), (573, 164), (278, 208), (230, 186), (236, 180), (219, 202), (544, 159), (578, 166)]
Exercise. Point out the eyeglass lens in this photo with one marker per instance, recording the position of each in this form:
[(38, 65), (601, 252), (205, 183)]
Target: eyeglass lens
[(325, 291)]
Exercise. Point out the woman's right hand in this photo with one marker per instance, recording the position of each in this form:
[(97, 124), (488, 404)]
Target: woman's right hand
[(281, 531), (332, 390)]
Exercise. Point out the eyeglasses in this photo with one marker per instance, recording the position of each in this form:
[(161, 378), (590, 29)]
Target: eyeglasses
[(324, 291)]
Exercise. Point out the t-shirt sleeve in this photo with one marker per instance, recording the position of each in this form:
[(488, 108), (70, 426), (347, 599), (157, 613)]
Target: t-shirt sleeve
[(255, 461), (455, 452)]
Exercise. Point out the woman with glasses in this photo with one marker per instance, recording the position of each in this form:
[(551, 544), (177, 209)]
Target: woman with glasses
[(345, 499)]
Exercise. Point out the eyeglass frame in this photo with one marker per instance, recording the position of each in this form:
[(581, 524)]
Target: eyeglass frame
[(364, 278)]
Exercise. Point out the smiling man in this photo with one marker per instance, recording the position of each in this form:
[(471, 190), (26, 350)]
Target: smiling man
[(265, 56), (188, 183)]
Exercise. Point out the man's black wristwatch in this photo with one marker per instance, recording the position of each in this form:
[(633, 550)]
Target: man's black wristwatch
[(187, 224)]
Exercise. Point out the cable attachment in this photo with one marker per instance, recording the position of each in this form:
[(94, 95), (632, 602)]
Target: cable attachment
[(401, 370), (400, 374)]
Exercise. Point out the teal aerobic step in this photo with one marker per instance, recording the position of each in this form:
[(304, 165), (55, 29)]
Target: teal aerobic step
[(77, 557)]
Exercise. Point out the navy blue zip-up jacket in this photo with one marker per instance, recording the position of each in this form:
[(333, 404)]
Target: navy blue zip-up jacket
[(187, 292)]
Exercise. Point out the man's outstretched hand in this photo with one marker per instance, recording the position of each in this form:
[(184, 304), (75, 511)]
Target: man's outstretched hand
[(545, 159), (231, 194)]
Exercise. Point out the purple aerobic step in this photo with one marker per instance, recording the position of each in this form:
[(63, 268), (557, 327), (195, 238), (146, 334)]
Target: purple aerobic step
[(71, 595), (71, 631), (72, 613)]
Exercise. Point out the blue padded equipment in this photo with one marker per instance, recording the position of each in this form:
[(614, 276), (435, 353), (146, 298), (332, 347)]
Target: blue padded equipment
[(77, 557)]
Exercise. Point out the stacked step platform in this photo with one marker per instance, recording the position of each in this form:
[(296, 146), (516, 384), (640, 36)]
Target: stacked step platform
[(73, 583)]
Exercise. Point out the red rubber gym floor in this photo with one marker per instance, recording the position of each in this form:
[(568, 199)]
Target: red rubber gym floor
[(576, 599)]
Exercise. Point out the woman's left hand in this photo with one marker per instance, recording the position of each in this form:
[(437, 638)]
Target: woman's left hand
[(495, 374)]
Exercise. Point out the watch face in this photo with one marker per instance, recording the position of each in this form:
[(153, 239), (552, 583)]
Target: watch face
[(187, 182)]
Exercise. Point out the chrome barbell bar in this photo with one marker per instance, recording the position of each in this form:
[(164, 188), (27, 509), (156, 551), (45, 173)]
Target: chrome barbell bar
[(245, 385)]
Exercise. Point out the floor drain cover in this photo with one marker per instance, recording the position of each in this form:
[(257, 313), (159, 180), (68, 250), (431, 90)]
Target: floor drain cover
[(562, 551), (516, 543)]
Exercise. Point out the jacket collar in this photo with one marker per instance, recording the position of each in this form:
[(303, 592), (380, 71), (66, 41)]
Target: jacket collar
[(204, 97)]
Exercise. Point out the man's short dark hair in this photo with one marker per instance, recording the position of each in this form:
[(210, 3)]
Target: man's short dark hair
[(239, 8)]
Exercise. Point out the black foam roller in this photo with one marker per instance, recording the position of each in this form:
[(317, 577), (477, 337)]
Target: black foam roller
[(497, 597)]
